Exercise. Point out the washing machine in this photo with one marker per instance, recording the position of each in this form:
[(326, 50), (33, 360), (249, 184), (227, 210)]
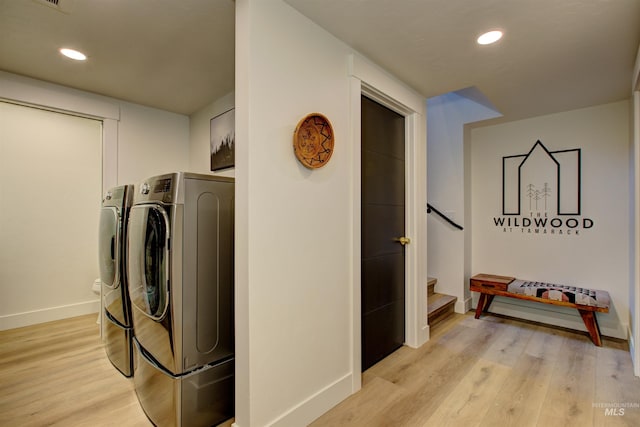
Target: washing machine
[(180, 270), (117, 321)]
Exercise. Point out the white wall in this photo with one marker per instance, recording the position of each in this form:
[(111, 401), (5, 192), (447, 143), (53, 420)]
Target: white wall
[(295, 292), (48, 216), (446, 186), (199, 135), (150, 142), (596, 257), (137, 142), (293, 230)]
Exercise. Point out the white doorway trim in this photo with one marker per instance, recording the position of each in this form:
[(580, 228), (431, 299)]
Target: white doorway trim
[(23, 90), (48, 96), (634, 333), (367, 79), (634, 292)]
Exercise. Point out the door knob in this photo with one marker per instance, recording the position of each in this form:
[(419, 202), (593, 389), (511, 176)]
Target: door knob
[(403, 240)]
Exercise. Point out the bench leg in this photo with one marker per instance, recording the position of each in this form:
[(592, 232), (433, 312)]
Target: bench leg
[(480, 305), (483, 304), (488, 303), (590, 321)]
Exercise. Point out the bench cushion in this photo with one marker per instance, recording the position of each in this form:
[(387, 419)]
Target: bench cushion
[(572, 294)]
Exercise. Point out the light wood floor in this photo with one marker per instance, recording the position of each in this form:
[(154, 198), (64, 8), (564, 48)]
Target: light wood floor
[(492, 372), (57, 373), (489, 372)]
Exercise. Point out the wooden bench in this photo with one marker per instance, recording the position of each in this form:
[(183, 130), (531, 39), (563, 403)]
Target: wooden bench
[(586, 301)]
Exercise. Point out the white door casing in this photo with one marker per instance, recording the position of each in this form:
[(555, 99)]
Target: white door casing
[(369, 80)]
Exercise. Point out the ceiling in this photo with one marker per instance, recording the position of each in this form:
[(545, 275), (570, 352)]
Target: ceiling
[(556, 55), (179, 55), (176, 55)]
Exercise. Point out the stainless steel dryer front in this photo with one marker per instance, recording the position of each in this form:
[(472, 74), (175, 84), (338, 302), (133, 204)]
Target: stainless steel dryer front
[(180, 266), (118, 328)]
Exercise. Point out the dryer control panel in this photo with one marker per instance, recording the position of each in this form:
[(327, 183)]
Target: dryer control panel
[(158, 189)]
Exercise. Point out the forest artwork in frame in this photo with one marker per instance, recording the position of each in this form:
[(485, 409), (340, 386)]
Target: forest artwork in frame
[(223, 139)]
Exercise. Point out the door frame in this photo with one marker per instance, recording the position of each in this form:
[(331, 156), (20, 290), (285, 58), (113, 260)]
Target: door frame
[(367, 79), (48, 96), (634, 332), (51, 97)]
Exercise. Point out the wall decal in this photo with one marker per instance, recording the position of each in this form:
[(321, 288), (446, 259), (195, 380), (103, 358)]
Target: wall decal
[(541, 192), (542, 180)]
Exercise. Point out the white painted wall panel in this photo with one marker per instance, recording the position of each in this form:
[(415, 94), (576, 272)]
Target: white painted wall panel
[(50, 193), (294, 244)]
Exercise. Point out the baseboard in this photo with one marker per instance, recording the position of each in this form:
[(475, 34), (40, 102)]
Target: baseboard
[(632, 351), (462, 306), (18, 320), (425, 334), (313, 407)]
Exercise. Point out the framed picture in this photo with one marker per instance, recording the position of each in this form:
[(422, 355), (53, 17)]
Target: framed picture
[(223, 140)]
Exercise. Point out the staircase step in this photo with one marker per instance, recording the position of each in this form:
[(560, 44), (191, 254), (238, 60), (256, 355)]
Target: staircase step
[(439, 307), (431, 284)]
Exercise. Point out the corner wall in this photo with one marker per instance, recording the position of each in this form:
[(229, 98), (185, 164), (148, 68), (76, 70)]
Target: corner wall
[(447, 186), (594, 257), (150, 142), (200, 134)]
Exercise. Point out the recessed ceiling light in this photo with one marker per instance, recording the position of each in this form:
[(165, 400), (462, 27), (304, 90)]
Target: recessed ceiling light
[(490, 37), (73, 54)]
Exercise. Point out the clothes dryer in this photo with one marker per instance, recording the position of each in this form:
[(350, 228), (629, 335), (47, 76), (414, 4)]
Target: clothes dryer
[(180, 267), (118, 329)]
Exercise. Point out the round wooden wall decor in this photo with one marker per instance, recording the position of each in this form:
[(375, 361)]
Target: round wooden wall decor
[(313, 141)]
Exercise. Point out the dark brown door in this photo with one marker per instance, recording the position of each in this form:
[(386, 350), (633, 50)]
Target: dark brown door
[(383, 200)]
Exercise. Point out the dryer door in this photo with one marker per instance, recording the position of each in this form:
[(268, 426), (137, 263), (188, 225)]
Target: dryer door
[(109, 254), (148, 262), (108, 251)]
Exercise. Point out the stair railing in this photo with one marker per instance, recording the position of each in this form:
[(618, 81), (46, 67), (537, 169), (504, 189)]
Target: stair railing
[(443, 216)]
